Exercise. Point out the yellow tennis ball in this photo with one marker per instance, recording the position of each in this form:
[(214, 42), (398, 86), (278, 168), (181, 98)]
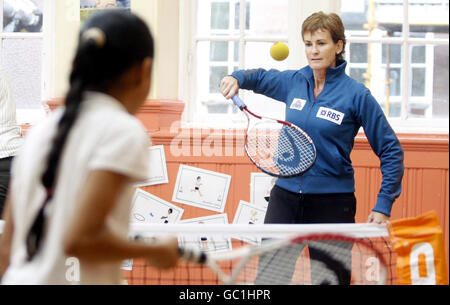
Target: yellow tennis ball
[(279, 51)]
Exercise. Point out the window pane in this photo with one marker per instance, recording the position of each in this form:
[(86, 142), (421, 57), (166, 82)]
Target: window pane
[(353, 14), (237, 16), (390, 101), (220, 15), (418, 82), (358, 53), (219, 51), (395, 110), (392, 53), (394, 81), (427, 17), (418, 54), (89, 7), (390, 75), (214, 61), (217, 107), (269, 18), (385, 15), (215, 76), (22, 16), (358, 74), (382, 75), (21, 61), (429, 83), (440, 81)]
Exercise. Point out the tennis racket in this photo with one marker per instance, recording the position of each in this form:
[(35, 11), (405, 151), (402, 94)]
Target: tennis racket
[(278, 148), (332, 259)]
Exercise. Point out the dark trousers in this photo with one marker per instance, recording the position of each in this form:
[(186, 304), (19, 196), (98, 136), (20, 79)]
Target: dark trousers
[(291, 208), (5, 170)]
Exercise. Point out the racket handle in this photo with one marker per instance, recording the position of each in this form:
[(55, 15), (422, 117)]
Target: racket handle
[(192, 256), (238, 102)]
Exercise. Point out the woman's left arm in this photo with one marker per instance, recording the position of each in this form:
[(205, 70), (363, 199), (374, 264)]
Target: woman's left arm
[(387, 147)]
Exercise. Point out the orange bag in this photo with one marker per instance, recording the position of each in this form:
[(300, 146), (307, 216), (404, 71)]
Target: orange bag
[(419, 245)]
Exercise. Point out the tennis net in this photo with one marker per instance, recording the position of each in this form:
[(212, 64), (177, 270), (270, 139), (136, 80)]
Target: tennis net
[(362, 251)]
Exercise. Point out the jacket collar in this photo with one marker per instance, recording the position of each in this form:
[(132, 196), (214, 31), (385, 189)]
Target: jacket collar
[(332, 74)]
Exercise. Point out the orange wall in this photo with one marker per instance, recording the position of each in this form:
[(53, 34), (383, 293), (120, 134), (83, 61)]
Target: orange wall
[(425, 182)]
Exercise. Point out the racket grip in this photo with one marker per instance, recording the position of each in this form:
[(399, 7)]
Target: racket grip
[(192, 256), (238, 102)]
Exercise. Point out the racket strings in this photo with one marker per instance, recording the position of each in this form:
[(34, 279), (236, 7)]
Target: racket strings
[(279, 149)]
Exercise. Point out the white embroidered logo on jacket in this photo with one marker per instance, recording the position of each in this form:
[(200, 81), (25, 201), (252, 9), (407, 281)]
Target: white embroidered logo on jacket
[(298, 104)]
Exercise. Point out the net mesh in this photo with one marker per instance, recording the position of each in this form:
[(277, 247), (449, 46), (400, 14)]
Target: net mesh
[(279, 149), (315, 258)]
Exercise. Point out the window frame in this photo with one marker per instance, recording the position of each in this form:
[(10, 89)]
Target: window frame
[(187, 60), (26, 116), (189, 40), (405, 123)]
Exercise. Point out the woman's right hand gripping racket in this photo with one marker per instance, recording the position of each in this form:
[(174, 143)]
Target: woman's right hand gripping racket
[(278, 148)]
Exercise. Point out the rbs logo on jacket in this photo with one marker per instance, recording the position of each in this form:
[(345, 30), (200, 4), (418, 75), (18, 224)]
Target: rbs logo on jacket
[(330, 115)]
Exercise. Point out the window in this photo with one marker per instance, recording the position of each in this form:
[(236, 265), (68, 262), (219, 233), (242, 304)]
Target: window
[(401, 54), (21, 44), (88, 7), (397, 48), (231, 35)]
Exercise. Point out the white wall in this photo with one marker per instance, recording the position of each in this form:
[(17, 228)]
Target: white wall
[(306, 8), (62, 24)]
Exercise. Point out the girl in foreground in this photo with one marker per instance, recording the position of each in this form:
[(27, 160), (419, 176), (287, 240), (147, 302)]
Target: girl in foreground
[(72, 183)]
